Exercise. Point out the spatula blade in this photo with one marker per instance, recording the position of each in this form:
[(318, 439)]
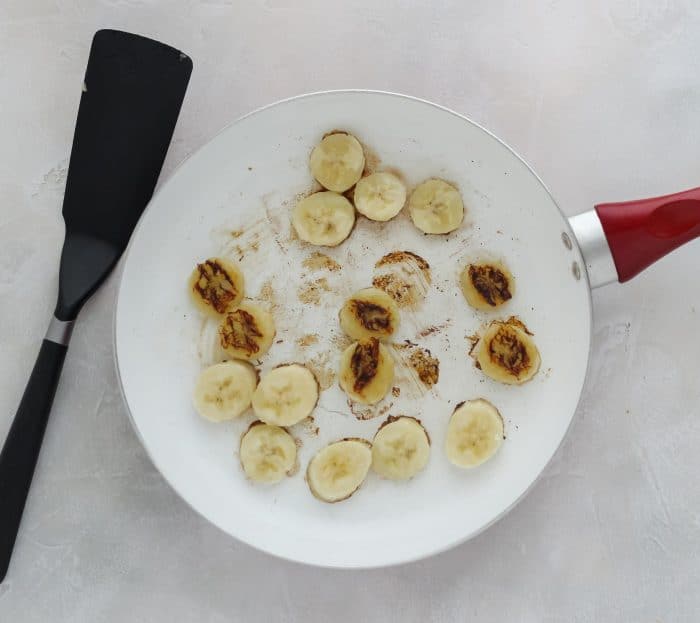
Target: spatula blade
[(132, 94)]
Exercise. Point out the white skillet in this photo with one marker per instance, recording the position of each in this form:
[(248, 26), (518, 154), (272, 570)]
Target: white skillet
[(247, 178)]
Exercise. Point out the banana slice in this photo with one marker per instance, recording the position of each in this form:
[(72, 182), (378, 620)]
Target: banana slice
[(224, 391), (338, 470), (370, 312), (324, 218), (401, 448), (486, 285), (247, 331), (216, 285), (267, 453), (474, 433), (337, 161), (507, 353), (436, 207), (380, 196), (286, 395), (366, 371)]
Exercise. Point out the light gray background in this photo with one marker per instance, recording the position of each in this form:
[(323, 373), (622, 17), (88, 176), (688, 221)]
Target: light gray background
[(602, 98)]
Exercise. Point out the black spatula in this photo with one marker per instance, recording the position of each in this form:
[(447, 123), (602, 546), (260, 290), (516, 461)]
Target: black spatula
[(131, 99)]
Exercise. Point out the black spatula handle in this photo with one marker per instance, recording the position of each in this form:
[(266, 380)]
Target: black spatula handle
[(132, 95), (21, 449)]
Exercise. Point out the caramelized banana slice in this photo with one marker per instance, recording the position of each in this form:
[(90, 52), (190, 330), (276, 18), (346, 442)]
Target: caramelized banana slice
[(366, 371), (216, 285), (507, 353), (487, 285), (247, 331), (370, 312)]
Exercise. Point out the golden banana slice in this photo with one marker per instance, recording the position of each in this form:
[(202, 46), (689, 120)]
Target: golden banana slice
[(216, 285), (267, 453), (474, 433), (400, 449), (370, 312), (379, 196), (487, 285), (247, 331), (338, 470), (507, 353), (337, 162), (436, 207), (366, 371), (224, 391), (324, 219), (286, 395)]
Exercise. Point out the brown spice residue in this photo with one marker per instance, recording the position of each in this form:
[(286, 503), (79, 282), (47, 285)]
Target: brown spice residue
[(428, 331), (297, 466), (367, 413), (426, 366), (398, 289), (320, 367), (237, 233), (473, 340), (434, 329), (311, 292), (267, 294), (307, 340), (395, 391), (341, 341), (372, 160), (420, 370), (405, 345), (309, 425), (404, 276), (405, 292), (320, 261), (397, 257)]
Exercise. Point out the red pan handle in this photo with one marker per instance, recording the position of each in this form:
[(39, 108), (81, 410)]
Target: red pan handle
[(643, 231), (619, 240)]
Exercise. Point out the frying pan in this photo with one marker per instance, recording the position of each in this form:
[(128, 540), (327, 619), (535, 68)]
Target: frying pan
[(234, 197)]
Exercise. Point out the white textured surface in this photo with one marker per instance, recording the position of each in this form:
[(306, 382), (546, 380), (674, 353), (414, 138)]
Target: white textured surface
[(600, 97)]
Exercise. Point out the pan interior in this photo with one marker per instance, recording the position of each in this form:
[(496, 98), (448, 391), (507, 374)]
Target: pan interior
[(234, 196)]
